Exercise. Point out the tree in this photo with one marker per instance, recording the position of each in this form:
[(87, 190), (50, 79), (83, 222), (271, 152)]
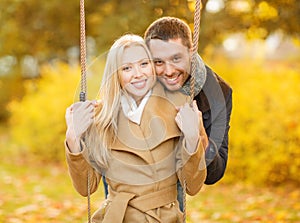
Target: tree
[(38, 28), (47, 29), (255, 18)]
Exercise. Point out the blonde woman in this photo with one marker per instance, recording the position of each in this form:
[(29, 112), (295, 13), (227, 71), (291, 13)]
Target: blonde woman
[(139, 136)]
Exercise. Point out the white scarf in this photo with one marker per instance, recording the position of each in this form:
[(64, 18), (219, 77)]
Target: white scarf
[(130, 108)]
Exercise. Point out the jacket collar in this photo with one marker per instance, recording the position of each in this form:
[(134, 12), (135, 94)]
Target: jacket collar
[(200, 78)]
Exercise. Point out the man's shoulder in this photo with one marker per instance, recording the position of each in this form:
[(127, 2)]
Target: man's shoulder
[(213, 78), (214, 91)]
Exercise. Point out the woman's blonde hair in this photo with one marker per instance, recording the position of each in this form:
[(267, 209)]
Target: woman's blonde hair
[(102, 133)]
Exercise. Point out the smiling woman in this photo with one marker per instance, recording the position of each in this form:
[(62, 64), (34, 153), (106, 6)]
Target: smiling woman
[(130, 139), (129, 89), (137, 75)]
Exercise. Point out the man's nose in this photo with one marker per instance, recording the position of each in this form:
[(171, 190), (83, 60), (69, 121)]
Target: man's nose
[(169, 69)]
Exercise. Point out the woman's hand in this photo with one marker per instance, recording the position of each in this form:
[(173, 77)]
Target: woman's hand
[(189, 121), (79, 116)]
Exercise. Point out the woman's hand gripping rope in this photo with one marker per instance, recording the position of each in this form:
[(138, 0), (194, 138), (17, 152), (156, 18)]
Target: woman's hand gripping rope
[(189, 121), (79, 117)]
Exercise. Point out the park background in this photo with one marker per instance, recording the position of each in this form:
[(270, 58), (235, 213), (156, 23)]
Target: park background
[(253, 44)]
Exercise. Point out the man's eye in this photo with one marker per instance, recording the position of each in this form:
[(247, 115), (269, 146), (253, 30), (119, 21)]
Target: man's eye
[(158, 62), (176, 59)]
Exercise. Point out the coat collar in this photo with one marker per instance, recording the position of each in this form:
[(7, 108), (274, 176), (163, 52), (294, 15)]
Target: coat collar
[(200, 78), (131, 110), (157, 122)]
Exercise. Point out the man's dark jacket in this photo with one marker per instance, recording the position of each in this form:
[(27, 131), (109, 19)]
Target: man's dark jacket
[(215, 103)]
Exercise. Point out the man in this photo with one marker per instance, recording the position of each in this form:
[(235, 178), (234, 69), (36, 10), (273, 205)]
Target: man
[(169, 40)]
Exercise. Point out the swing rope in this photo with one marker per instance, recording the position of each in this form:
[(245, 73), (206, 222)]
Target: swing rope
[(82, 95), (83, 88), (83, 84), (197, 15)]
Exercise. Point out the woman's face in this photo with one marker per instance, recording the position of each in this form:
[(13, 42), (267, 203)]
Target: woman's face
[(136, 72)]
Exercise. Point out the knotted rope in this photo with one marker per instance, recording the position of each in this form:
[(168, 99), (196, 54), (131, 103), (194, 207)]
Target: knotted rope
[(83, 88), (83, 84), (82, 95), (197, 15)]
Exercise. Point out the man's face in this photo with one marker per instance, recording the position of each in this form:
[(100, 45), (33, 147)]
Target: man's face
[(172, 62)]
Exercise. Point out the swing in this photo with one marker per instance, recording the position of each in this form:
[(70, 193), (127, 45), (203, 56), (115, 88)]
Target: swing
[(83, 85)]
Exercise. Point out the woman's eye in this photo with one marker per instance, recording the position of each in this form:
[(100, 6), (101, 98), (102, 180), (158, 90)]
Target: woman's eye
[(144, 64), (126, 68)]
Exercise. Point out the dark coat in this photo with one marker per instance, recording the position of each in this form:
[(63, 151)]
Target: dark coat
[(215, 103)]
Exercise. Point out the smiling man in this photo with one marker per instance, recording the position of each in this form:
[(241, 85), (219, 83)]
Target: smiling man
[(172, 61), (169, 40)]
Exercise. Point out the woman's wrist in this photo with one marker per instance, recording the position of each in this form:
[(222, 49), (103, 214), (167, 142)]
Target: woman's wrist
[(192, 143), (73, 141)]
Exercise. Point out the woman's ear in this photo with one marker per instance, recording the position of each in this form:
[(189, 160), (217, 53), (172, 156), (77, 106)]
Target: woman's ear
[(120, 79)]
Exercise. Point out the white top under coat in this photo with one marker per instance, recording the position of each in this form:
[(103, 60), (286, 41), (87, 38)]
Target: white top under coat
[(130, 108)]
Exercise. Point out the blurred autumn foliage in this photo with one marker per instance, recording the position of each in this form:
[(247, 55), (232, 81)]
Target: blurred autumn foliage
[(265, 125), (39, 73), (39, 78), (34, 32), (37, 121)]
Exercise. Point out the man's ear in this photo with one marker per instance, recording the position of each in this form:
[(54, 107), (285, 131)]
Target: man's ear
[(191, 52), (190, 59)]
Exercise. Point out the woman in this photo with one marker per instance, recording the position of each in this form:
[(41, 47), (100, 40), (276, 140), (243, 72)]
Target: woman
[(141, 137)]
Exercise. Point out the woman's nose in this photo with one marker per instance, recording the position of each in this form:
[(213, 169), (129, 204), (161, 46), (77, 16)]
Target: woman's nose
[(136, 71)]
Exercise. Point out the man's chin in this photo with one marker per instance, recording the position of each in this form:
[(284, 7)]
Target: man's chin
[(172, 87)]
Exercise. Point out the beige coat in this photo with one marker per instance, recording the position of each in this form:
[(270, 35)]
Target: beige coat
[(147, 161)]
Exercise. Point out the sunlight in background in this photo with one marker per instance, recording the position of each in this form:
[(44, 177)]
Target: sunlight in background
[(232, 43), (214, 6), (29, 66), (240, 6), (273, 41), (275, 46), (6, 64)]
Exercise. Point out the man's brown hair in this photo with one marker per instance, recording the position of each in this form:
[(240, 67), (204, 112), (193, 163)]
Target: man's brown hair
[(167, 28)]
